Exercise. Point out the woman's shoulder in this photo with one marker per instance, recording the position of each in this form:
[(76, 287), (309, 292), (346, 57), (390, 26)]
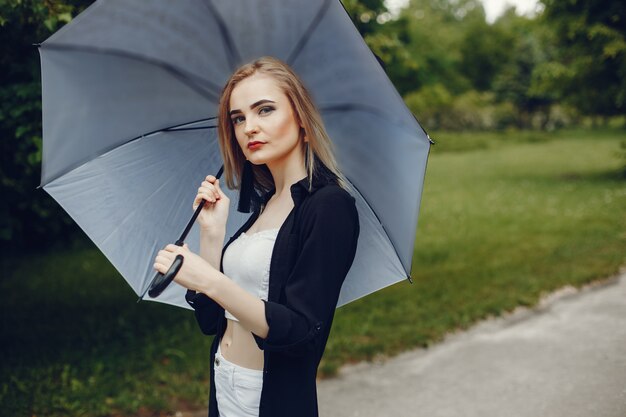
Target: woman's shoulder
[(332, 193), (332, 200), (331, 210)]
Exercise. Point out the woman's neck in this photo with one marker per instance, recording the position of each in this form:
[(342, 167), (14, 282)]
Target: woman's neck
[(286, 174)]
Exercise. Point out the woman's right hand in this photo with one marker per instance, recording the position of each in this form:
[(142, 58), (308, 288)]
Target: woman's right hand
[(214, 213)]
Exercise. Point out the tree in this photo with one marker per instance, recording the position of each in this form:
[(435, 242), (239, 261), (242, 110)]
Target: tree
[(432, 32), (485, 51), (531, 47), (27, 217), (590, 71)]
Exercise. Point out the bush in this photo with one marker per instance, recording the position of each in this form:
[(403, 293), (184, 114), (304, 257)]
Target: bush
[(437, 109), (430, 104), (29, 218)]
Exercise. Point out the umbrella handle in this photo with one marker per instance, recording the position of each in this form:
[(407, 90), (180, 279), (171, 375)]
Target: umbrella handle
[(161, 281)]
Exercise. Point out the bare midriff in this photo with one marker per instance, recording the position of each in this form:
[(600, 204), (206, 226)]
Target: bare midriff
[(239, 347)]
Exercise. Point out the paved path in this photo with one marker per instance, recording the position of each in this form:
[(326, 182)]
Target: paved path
[(565, 358)]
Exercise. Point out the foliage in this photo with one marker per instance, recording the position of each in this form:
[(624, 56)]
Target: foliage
[(27, 217), (590, 71), (432, 31), (460, 72), (397, 60), (472, 110), (430, 103), (516, 81), (367, 15), (485, 50)]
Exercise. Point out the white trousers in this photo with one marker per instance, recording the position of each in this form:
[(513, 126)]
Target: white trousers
[(237, 389)]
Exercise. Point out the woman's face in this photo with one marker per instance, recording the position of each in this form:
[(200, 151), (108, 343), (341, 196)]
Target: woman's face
[(260, 112)]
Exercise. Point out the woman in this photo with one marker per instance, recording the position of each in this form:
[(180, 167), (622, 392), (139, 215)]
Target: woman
[(270, 297)]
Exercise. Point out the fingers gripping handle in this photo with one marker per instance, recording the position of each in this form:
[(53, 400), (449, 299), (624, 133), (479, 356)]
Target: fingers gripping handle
[(160, 281)]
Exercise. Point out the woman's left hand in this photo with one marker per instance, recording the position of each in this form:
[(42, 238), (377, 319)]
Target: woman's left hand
[(195, 273)]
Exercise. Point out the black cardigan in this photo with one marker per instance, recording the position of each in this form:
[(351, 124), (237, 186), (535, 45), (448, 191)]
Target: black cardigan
[(313, 252)]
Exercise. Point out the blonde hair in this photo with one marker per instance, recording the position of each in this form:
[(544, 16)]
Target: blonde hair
[(320, 146)]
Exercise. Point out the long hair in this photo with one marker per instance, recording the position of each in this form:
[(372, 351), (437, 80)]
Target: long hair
[(258, 177)]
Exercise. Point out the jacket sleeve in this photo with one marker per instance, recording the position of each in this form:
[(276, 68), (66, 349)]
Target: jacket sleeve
[(329, 233), (207, 311)]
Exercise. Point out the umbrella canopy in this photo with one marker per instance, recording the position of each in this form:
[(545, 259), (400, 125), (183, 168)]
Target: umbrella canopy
[(130, 97)]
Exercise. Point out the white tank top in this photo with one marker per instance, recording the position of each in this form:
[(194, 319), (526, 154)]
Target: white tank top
[(247, 262)]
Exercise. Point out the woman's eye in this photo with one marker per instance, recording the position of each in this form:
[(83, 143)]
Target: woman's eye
[(263, 109), (236, 120)]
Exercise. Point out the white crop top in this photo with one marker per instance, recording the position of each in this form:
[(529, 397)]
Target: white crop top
[(247, 262)]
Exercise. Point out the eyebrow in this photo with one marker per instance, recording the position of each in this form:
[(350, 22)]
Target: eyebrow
[(253, 105)]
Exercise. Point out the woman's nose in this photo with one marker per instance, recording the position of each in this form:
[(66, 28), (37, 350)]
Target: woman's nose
[(251, 127)]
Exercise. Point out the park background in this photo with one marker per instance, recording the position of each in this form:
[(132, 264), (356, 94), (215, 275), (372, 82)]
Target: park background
[(525, 193)]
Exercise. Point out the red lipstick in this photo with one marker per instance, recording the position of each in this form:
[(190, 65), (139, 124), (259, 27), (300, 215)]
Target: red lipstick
[(255, 144)]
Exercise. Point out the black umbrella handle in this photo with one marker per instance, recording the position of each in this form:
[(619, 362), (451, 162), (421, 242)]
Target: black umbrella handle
[(160, 281)]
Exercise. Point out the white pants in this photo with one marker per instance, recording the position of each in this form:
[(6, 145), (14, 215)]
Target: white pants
[(237, 389)]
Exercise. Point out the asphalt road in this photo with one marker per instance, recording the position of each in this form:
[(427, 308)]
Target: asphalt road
[(565, 358)]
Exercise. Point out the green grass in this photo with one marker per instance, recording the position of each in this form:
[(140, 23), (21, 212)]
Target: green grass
[(505, 218), (500, 224), (76, 343)]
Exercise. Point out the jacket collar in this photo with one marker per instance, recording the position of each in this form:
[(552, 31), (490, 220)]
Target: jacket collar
[(299, 190)]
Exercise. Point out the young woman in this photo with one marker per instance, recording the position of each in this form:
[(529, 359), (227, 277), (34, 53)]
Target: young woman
[(269, 295)]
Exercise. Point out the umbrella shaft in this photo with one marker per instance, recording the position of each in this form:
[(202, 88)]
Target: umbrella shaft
[(182, 238), (179, 242)]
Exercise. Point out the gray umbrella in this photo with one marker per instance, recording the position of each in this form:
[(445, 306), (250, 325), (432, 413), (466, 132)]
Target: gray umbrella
[(130, 92)]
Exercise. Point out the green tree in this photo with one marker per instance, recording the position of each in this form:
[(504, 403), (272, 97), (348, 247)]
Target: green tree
[(389, 43), (531, 48), (27, 217), (590, 71), (485, 51), (432, 32)]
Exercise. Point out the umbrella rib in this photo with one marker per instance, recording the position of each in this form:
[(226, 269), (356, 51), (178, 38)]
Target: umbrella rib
[(341, 107), (209, 90), (307, 34), (231, 49), (383, 226), (174, 128), (189, 128), (351, 106)]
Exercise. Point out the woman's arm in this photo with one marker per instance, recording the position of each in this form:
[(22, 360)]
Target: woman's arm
[(209, 289), (224, 292), (211, 244), (249, 309), (207, 310)]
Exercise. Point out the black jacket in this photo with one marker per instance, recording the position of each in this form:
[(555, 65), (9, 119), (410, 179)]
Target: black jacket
[(313, 252)]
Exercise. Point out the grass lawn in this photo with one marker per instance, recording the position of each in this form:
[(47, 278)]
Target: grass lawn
[(505, 217)]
